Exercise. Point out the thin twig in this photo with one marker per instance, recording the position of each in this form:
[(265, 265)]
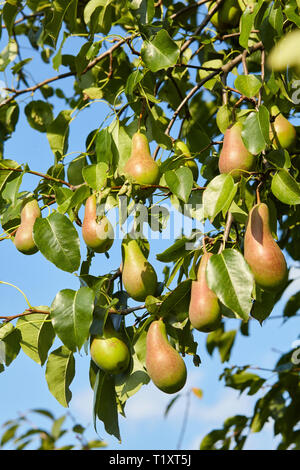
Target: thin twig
[(226, 232)]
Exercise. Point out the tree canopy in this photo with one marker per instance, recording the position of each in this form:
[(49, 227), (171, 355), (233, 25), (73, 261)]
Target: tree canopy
[(180, 74)]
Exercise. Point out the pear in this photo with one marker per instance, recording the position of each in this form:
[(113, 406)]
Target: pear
[(164, 364), (109, 352), (23, 240), (282, 132), (138, 276), (98, 236), (261, 252), (204, 308), (140, 167), (234, 156), (181, 149), (227, 16)]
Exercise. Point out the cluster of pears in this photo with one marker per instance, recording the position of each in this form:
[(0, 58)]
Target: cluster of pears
[(109, 351), (236, 159), (97, 232), (23, 240), (264, 257)]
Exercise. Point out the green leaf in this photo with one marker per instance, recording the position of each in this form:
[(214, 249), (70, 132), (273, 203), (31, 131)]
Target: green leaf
[(229, 276), (59, 10), (72, 315), (39, 115), (218, 195), (58, 132), (175, 251), (279, 158), (160, 53), (60, 372), (95, 175), (255, 133), (211, 64), (223, 341), (180, 182), (285, 188), (9, 343), (105, 404), (5, 174), (97, 15), (248, 85), (263, 306), (223, 118), (247, 22), (103, 147), (37, 335), (132, 81), (176, 304), (144, 10), (8, 54), (58, 240), (9, 14)]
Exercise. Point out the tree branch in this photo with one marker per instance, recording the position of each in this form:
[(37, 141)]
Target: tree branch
[(92, 64)]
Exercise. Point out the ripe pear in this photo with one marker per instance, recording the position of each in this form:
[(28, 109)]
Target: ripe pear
[(181, 149), (282, 132), (204, 308), (234, 156), (164, 364), (138, 275), (140, 167), (109, 352), (261, 252), (227, 16), (23, 240), (98, 236)]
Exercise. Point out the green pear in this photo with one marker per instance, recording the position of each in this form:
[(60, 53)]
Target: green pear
[(140, 168), (204, 308), (234, 157), (227, 16), (181, 149), (282, 132), (261, 252), (98, 235), (138, 275), (109, 352), (23, 240), (164, 364)]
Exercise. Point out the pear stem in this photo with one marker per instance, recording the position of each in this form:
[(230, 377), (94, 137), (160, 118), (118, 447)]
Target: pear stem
[(226, 232), (257, 192)]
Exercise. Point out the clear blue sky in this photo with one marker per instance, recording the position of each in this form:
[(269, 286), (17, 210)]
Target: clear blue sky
[(23, 385)]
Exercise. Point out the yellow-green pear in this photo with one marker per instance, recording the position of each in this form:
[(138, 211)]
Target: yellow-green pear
[(109, 352), (141, 168), (235, 157), (261, 252), (138, 275), (98, 235), (164, 364), (282, 132), (181, 149), (204, 308), (227, 16), (23, 240)]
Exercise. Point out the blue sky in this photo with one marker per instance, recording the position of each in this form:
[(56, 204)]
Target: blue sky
[(23, 385)]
